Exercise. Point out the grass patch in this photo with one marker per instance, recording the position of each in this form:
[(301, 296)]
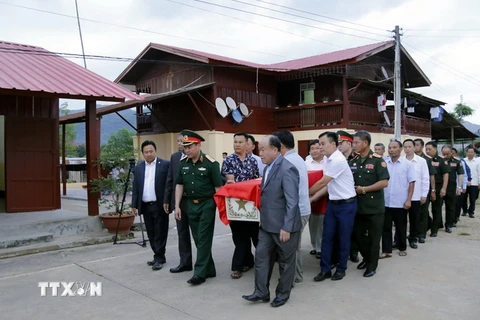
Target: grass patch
[(464, 234)]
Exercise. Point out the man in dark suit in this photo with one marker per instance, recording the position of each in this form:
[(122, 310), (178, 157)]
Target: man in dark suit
[(183, 229), (147, 198), (280, 224)]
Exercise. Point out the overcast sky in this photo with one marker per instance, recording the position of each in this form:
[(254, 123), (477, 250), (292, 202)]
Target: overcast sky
[(442, 36)]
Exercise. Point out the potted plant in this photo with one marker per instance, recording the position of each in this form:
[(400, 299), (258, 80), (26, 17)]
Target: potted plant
[(325, 99), (114, 159)]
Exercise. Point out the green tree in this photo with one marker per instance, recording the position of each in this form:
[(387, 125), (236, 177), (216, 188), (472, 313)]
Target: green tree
[(70, 134), (81, 151), (461, 111)]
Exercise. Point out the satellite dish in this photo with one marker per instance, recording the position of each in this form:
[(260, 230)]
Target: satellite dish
[(231, 103), (237, 116), (221, 107), (244, 109), (387, 120), (385, 74)]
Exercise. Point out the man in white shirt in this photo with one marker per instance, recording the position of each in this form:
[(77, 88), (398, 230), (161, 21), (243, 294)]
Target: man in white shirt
[(315, 223), (341, 207), (472, 186), (420, 192), (250, 147), (288, 152), (398, 199)]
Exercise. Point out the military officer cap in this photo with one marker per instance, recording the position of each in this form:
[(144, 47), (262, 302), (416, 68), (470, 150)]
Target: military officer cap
[(344, 136), (190, 137)]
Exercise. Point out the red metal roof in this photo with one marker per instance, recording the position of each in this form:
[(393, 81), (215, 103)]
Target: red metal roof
[(330, 58), (30, 68)]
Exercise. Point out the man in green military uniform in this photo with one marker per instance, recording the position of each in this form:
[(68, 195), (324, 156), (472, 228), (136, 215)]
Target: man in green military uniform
[(425, 220), (198, 178), (439, 190), (371, 177), (454, 187), (345, 141)]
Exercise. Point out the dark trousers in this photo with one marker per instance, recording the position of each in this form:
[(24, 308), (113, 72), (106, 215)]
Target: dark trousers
[(201, 217), (425, 220), (414, 221), (450, 200), (399, 217), (156, 223), (470, 197), (458, 206), (184, 240), (338, 221), (269, 250), (437, 211), (244, 233), (368, 230)]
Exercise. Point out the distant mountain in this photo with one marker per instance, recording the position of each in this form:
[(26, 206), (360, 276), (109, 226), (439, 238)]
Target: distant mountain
[(110, 123), (471, 126)]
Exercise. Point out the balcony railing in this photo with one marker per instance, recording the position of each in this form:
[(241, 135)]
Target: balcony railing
[(144, 122), (419, 126), (314, 115)]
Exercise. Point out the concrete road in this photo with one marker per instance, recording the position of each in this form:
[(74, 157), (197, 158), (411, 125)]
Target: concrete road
[(440, 280)]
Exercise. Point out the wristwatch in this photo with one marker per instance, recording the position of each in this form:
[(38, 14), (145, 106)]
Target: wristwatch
[(433, 190)]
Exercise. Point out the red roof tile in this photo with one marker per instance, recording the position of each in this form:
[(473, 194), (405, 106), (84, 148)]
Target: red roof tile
[(30, 68)]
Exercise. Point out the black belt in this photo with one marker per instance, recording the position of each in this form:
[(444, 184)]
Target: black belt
[(200, 199), (352, 199), (149, 202)]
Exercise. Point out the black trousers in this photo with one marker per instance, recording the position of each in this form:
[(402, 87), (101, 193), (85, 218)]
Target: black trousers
[(414, 220), (184, 240), (425, 221), (156, 223), (244, 233), (399, 217), (458, 206), (437, 222), (470, 197), (450, 200), (368, 229)]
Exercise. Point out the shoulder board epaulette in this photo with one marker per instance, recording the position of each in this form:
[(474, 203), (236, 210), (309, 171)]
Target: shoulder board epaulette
[(356, 156), (426, 155), (377, 155), (457, 158), (209, 158)]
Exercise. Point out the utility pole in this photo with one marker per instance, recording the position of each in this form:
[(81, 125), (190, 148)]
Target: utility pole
[(397, 87)]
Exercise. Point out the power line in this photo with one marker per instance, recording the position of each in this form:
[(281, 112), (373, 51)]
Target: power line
[(302, 17), (137, 29), (441, 29), (319, 15), (283, 20), (256, 23), (454, 71)]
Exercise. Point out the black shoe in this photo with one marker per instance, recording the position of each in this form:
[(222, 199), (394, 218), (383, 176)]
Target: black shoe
[(179, 269), (318, 255), (433, 234), (362, 265), (157, 266), (421, 240), (338, 275), (151, 263), (322, 276), (464, 214), (448, 229), (278, 302), (454, 225), (255, 298), (413, 245), (195, 280), (369, 273), (354, 258), (394, 245), (471, 216)]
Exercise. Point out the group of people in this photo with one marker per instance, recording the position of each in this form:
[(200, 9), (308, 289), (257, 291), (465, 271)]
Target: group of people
[(367, 193)]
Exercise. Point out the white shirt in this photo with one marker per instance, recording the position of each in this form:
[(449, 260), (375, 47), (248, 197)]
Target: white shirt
[(474, 166), (342, 186), (304, 198), (422, 178), (261, 165), (402, 173), (314, 165), (149, 194)]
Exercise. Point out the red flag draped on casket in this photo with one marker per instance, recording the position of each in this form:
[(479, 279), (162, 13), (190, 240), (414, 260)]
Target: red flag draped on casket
[(251, 190)]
